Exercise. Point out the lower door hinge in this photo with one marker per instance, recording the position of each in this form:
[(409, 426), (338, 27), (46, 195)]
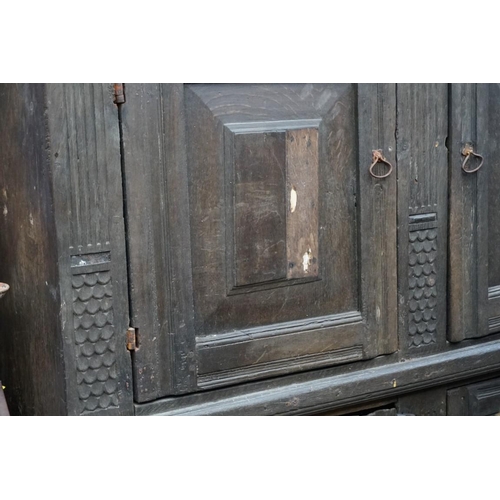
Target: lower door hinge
[(119, 93), (131, 339)]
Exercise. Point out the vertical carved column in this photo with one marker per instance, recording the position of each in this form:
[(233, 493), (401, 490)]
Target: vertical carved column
[(95, 338), (85, 153), (422, 285), (422, 128)]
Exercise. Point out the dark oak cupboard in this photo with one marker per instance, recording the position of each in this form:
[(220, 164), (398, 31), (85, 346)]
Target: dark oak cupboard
[(250, 249)]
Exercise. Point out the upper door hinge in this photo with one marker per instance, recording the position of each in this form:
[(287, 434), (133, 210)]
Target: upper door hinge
[(131, 339), (119, 93)]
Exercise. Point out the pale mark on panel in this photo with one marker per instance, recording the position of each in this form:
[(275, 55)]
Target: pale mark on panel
[(306, 260), (293, 200)]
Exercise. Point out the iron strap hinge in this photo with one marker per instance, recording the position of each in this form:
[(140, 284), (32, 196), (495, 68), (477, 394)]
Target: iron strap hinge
[(131, 339), (119, 93)]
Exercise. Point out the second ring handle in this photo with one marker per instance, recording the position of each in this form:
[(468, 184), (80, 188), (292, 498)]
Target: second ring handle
[(468, 151), (378, 156)]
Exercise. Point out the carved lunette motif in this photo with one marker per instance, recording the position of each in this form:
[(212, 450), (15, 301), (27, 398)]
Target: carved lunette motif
[(422, 293), (95, 339)]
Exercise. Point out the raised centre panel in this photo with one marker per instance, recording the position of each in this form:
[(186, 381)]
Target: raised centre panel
[(272, 174)]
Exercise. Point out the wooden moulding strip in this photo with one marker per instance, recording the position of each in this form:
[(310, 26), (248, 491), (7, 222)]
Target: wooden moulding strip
[(325, 389)]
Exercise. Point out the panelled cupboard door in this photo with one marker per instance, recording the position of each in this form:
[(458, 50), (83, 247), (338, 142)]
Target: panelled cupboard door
[(493, 237), (474, 244), (259, 242)]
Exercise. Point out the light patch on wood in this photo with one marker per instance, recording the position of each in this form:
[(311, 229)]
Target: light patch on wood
[(306, 260), (293, 199), (5, 211)]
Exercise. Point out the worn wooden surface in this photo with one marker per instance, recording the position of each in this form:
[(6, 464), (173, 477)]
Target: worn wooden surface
[(158, 239), (494, 208), (429, 403), (31, 354), (478, 399), (282, 222), (422, 129), (359, 409), (336, 387), (377, 204), (84, 154), (282, 348), (259, 208), (219, 305), (262, 269), (468, 227), (494, 185), (302, 215)]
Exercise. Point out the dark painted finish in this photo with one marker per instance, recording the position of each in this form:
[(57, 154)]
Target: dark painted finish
[(161, 295), (429, 403), (83, 130), (468, 227), (31, 357), (63, 252), (494, 208), (259, 208), (302, 223), (219, 305), (237, 239), (494, 185), (336, 387), (361, 409), (422, 218), (377, 213), (292, 242), (480, 399)]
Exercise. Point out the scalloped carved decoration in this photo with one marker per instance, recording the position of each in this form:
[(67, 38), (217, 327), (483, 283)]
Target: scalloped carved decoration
[(422, 296), (95, 341)]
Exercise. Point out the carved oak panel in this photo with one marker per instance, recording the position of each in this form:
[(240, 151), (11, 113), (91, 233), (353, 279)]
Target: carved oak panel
[(422, 296), (85, 151), (423, 210)]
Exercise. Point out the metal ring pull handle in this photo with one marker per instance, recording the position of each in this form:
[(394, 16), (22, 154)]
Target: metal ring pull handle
[(468, 151), (378, 156)]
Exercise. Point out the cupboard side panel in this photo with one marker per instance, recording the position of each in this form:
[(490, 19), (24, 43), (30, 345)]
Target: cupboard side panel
[(31, 360)]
